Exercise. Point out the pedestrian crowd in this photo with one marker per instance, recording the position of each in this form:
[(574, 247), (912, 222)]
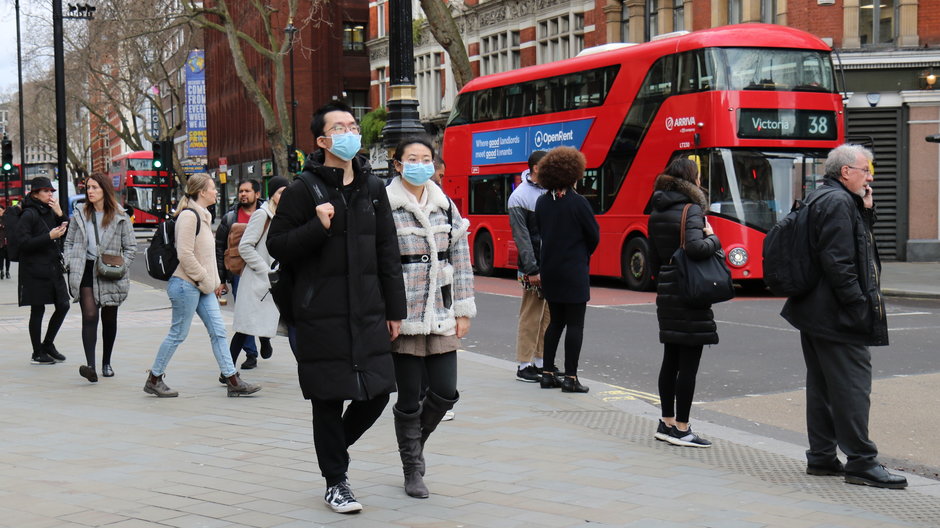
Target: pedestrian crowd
[(381, 291)]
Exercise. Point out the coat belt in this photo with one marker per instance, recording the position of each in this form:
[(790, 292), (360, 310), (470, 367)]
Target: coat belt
[(425, 257)]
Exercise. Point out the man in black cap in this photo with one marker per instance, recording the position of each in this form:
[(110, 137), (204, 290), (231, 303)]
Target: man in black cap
[(39, 236)]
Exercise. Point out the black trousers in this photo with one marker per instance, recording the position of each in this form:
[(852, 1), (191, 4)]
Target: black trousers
[(334, 431), (567, 317), (838, 391), (677, 379), (437, 373)]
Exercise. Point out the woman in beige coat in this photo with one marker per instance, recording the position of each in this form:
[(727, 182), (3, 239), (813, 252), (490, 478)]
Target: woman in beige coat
[(192, 290)]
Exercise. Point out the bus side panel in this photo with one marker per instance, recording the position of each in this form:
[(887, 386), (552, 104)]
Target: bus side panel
[(735, 235)]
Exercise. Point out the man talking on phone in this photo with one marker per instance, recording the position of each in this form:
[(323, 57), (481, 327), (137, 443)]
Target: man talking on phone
[(839, 319)]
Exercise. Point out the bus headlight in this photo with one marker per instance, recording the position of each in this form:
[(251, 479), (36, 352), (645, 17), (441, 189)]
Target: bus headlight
[(737, 257)]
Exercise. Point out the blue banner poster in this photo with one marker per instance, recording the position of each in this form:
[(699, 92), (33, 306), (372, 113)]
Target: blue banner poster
[(196, 104), (513, 145)]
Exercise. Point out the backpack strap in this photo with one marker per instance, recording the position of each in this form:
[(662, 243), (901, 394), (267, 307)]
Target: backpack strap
[(315, 187), (198, 219)]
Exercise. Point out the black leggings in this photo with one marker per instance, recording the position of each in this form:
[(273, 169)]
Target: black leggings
[(410, 375), (36, 312), (570, 316), (90, 309), (4, 260), (677, 379), (238, 341)]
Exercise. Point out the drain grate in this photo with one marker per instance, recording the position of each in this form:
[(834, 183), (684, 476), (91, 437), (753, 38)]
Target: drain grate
[(908, 506)]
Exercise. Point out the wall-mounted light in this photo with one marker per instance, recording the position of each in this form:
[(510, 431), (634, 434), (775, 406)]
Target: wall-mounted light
[(929, 79)]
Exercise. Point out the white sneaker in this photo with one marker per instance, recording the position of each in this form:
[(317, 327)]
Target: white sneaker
[(341, 499), (448, 416)]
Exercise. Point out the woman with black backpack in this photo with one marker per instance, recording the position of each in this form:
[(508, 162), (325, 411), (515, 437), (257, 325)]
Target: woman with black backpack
[(41, 277)]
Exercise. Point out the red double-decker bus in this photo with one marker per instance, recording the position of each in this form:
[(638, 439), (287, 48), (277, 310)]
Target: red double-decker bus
[(755, 105), (11, 189), (144, 192)]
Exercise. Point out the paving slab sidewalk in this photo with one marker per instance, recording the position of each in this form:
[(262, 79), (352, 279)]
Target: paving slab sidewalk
[(106, 454)]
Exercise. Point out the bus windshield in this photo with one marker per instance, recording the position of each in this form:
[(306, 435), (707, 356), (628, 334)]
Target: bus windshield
[(139, 164), (781, 70), (757, 188)]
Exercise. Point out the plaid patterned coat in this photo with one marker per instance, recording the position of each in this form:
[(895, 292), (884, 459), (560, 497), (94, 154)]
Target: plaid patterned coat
[(423, 231)]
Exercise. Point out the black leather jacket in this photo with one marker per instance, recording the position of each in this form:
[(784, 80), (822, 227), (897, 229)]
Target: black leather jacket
[(846, 306)]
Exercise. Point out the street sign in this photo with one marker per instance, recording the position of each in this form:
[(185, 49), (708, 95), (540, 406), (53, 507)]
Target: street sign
[(223, 164)]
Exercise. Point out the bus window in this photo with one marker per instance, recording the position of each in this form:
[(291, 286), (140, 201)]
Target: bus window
[(515, 104), (696, 71), (778, 69), (489, 194), (462, 112), (659, 80)]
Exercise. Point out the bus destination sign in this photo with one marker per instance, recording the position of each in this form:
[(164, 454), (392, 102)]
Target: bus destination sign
[(513, 145), (786, 123)]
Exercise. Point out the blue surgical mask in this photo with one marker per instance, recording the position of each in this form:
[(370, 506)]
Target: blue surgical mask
[(417, 173), (346, 146)]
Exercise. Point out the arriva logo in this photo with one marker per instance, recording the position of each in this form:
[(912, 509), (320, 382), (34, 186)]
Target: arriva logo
[(679, 122)]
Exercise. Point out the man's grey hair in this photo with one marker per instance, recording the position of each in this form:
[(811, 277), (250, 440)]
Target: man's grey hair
[(845, 155)]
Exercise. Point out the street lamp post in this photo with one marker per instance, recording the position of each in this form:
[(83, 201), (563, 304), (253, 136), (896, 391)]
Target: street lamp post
[(290, 30), (403, 118), (19, 75)]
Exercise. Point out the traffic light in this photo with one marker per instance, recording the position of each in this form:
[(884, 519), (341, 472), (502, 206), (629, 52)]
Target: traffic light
[(292, 167), (7, 155), (163, 155)]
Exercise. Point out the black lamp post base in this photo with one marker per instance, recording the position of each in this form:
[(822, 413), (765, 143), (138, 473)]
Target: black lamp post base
[(402, 122)]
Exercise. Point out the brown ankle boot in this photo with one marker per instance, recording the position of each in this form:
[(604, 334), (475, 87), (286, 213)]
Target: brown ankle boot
[(238, 387), (159, 389)]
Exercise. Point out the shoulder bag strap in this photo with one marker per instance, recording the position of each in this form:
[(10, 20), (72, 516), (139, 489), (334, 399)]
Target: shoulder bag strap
[(685, 216), (94, 222)]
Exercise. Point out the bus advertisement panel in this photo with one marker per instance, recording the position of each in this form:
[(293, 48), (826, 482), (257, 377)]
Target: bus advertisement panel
[(144, 192), (755, 105)]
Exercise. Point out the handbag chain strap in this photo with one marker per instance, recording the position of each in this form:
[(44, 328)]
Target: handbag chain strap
[(685, 216)]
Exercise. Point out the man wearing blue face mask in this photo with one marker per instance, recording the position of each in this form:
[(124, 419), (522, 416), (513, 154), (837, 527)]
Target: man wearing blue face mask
[(334, 234)]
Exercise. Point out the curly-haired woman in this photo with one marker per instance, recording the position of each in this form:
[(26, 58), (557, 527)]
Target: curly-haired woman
[(569, 236)]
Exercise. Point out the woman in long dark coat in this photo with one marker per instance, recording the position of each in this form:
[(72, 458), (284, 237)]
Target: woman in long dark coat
[(683, 330), (569, 236), (41, 273)]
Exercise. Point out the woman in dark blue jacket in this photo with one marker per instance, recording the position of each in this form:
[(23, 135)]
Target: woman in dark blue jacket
[(569, 236), (683, 329)]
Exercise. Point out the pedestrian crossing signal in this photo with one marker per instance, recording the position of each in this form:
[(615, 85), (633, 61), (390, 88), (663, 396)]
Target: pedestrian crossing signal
[(162, 154)]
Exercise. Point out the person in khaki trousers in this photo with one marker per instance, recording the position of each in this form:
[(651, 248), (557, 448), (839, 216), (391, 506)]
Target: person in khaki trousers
[(533, 313)]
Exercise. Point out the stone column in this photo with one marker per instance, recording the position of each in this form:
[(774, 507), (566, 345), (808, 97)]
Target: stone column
[(637, 12), (612, 15), (850, 33), (750, 11), (907, 24), (782, 12), (720, 13)]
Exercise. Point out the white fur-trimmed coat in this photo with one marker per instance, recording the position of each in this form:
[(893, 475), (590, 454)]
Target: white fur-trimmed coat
[(425, 232)]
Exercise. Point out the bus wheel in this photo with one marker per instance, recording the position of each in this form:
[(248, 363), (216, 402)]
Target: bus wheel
[(483, 253), (635, 265)]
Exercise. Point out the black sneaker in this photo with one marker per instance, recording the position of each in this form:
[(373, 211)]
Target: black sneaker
[(53, 353), (340, 498), (266, 350), (686, 438), (249, 363), (529, 374), (41, 358), (662, 431)]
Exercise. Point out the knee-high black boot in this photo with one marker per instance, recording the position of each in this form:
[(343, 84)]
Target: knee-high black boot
[(411, 449), (433, 409)]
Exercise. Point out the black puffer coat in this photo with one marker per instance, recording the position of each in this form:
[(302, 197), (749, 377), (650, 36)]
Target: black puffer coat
[(348, 282), (41, 276), (679, 323), (846, 306)]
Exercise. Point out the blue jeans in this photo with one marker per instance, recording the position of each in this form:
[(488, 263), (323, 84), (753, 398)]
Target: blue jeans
[(249, 346), (187, 301)]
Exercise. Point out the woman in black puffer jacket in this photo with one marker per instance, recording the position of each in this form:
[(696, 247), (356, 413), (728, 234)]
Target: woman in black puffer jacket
[(683, 330)]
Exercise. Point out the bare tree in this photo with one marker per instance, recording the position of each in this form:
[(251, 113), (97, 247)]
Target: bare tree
[(271, 44), (446, 33)]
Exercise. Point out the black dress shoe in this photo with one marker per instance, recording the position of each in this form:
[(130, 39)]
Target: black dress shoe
[(878, 477), (249, 363), (107, 371), (831, 469), (88, 373), (571, 384), (549, 380)]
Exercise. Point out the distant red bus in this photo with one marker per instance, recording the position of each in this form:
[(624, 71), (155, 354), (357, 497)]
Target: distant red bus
[(12, 190), (145, 193), (755, 105)]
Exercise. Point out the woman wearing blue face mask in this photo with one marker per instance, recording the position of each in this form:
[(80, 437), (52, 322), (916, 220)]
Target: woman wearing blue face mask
[(435, 260)]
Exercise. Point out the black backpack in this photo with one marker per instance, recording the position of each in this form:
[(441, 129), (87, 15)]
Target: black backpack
[(790, 265), (161, 255), (11, 219)]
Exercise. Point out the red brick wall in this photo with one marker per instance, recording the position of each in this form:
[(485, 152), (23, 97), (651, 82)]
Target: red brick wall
[(820, 20), (701, 14), (928, 22)]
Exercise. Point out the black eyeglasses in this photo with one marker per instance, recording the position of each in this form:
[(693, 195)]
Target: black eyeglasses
[(866, 170)]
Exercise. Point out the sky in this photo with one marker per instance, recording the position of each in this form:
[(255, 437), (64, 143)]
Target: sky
[(8, 38)]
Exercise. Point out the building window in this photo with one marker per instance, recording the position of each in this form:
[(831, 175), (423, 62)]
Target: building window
[(560, 37), (768, 11), (653, 18), (383, 86), (428, 71), (499, 52), (380, 19), (678, 15), (354, 36), (876, 22), (734, 11)]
